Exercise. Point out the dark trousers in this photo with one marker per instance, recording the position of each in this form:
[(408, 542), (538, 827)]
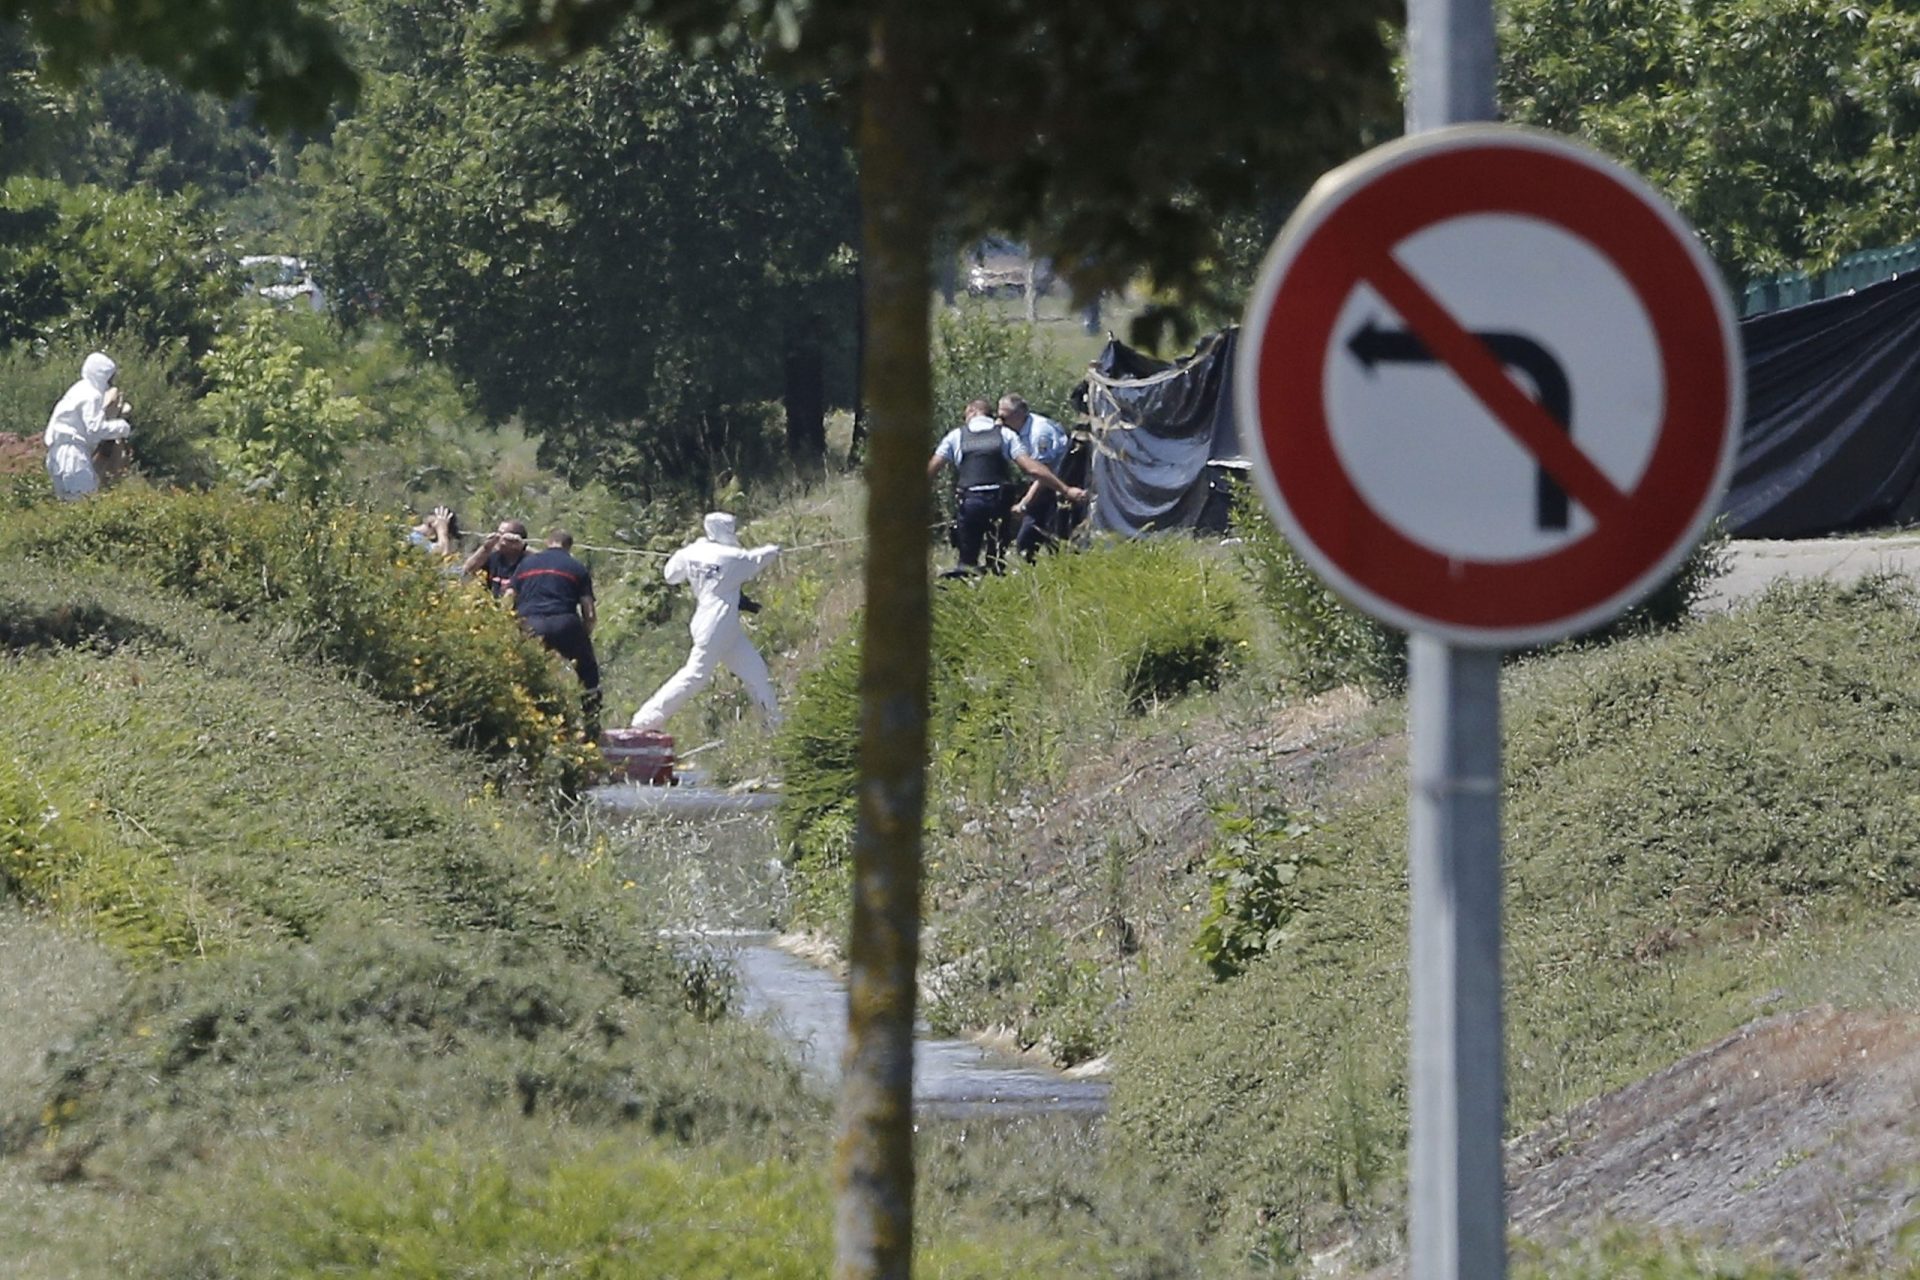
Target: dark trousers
[(567, 636), (980, 527), (1040, 526)]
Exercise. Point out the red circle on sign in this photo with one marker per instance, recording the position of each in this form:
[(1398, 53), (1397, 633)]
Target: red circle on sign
[(1344, 237)]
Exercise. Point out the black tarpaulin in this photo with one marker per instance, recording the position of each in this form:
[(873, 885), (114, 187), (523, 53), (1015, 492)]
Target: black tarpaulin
[(1831, 440), (1163, 432)]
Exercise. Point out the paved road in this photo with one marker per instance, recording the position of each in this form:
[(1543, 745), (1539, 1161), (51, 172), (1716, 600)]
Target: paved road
[(1757, 563)]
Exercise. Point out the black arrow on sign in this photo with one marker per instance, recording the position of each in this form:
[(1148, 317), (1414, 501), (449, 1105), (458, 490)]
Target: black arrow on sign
[(1372, 345)]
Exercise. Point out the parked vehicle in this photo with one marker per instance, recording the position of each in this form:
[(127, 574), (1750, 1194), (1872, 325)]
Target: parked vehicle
[(998, 268), (283, 278)]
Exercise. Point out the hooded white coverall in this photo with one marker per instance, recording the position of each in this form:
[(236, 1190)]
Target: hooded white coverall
[(715, 566), (78, 426)]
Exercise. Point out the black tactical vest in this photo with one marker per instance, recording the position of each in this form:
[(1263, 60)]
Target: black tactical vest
[(982, 462)]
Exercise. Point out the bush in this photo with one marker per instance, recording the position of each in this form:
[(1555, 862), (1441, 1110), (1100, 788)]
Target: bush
[(1251, 874), (1018, 664), (1327, 642), (277, 426), (83, 261), (977, 353), (343, 586)]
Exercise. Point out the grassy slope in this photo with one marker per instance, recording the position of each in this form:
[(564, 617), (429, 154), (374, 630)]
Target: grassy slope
[(1698, 825), (365, 1016)]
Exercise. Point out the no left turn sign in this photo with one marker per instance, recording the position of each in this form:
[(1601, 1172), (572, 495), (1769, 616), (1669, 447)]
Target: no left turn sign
[(1495, 382)]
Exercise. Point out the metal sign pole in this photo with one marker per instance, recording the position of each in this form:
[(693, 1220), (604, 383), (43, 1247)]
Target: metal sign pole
[(1458, 1214), (1457, 1210)]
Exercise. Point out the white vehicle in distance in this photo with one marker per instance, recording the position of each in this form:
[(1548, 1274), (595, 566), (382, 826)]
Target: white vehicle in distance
[(998, 268), (281, 277)]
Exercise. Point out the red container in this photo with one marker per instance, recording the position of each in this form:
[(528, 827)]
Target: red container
[(638, 755)]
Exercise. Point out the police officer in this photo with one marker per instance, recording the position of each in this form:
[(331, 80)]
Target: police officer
[(981, 453), (1048, 442)]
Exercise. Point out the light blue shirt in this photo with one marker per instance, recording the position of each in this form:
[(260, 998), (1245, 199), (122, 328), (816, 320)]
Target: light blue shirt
[(1045, 440), (1010, 444)]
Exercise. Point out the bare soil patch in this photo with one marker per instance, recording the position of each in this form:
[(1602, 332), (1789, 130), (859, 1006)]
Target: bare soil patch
[(20, 454), (1796, 1138)]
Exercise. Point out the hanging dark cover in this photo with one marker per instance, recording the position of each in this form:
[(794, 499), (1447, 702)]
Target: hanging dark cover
[(1163, 434), (1831, 440)]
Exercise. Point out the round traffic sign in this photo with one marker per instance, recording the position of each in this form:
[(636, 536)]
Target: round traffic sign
[(1494, 382)]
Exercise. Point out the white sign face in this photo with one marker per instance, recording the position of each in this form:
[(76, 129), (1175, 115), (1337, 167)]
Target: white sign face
[(1428, 455), (1496, 383)]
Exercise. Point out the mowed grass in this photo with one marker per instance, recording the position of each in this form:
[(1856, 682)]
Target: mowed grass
[(1700, 828)]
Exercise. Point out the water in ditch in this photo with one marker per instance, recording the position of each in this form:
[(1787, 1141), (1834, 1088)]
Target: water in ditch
[(708, 860)]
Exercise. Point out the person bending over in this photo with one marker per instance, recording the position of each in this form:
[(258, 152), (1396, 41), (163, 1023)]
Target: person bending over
[(553, 595)]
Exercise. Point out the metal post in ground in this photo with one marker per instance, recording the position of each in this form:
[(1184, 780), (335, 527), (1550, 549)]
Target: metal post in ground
[(1457, 1205)]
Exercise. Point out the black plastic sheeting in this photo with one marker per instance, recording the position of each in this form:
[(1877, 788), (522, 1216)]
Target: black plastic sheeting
[(1832, 435), (1164, 437), (1830, 444)]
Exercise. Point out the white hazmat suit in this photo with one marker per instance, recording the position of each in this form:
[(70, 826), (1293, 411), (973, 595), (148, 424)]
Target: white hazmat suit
[(716, 567), (79, 425)]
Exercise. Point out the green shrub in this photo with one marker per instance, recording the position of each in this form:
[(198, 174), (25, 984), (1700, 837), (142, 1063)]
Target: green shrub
[(460, 1205), (81, 261), (1326, 641), (1329, 643), (276, 424), (1019, 665), (1251, 872), (979, 354), (342, 585)]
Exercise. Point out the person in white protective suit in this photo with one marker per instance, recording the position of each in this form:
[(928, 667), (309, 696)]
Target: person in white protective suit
[(715, 567), (81, 423)]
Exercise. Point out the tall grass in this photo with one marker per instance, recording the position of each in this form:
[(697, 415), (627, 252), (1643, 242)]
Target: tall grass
[(1023, 666)]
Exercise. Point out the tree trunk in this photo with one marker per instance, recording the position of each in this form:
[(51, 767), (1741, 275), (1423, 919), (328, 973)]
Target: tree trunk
[(806, 398), (873, 1225)]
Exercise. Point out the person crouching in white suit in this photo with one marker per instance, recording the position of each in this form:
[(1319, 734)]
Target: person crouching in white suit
[(81, 423), (716, 567)]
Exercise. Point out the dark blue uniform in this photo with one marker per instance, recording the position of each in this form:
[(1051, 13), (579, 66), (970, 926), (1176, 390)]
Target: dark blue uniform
[(548, 587)]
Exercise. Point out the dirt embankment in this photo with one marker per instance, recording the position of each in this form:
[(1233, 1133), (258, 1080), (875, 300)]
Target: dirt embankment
[(1796, 1138), (20, 454)]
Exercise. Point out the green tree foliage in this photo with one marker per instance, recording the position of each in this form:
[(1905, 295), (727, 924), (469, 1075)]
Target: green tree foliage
[(978, 353), (76, 262), (276, 423), (141, 129), (1783, 129), (620, 250), (282, 54)]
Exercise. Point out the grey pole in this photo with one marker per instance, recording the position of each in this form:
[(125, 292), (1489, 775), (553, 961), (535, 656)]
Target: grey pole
[(1457, 1211), (1450, 63)]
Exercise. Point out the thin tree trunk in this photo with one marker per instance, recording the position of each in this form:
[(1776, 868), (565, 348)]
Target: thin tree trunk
[(805, 397), (874, 1157)]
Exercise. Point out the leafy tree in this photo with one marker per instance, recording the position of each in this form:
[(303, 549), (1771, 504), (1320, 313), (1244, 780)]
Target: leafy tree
[(1783, 129), (622, 251), (141, 129), (277, 424), (1108, 133), (77, 262), (280, 54)]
